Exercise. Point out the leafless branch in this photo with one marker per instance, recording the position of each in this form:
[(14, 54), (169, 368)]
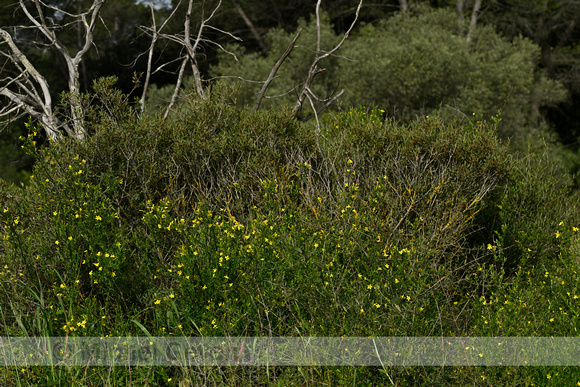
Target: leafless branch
[(177, 87), (404, 8), (320, 55), (235, 77), (30, 91), (191, 48), (275, 70), (149, 58), (253, 29), (325, 106), (460, 19), (155, 35), (315, 112)]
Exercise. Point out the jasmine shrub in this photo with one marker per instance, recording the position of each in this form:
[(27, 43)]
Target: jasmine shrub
[(223, 222)]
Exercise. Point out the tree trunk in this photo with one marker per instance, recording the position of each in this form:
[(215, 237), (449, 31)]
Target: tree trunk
[(473, 21), (404, 8)]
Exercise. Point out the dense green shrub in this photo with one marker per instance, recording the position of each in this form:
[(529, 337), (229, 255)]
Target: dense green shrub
[(221, 221), (415, 188), (425, 65)]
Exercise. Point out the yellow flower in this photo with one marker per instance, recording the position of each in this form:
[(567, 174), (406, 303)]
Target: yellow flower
[(98, 217), (557, 234)]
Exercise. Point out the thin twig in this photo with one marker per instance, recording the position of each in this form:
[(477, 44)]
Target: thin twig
[(314, 69), (275, 70), (326, 105)]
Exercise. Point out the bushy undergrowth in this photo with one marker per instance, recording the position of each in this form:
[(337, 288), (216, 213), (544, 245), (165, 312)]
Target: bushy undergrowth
[(223, 222)]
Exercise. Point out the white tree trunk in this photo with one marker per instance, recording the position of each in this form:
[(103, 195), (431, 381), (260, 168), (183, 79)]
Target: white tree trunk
[(29, 92)]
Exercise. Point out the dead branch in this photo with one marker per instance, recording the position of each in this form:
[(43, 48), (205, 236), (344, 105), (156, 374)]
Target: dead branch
[(177, 87), (29, 91), (191, 49), (404, 8), (275, 70), (155, 36), (253, 29), (460, 19), (320, 55), (37, 103), (323, 107)]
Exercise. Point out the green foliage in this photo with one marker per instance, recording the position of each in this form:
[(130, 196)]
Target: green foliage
[(523, 215), (14, 163), (412, 66), (416, 65), (224, 222)]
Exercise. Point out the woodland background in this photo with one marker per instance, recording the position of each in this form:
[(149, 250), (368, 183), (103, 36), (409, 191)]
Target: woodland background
[(407, 59)]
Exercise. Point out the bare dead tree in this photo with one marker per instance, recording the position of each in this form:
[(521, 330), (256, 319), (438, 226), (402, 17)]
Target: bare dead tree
[(319, 55), (191, 49), (27, 90), (154, 37), (275, 70), (191, 45)]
